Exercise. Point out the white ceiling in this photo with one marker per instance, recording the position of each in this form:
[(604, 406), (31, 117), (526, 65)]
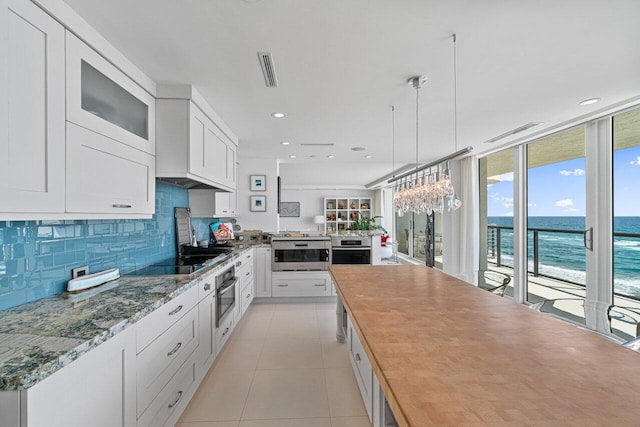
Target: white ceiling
[(341, 64)]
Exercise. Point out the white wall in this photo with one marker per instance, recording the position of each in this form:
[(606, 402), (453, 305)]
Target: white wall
[(311, 204), (265, 221)]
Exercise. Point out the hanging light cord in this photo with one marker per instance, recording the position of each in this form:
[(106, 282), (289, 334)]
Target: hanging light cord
[(455, 94), (393, 140), (417, 85)]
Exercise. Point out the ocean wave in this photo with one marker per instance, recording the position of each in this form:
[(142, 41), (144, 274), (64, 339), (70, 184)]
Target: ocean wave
[(626, 243)]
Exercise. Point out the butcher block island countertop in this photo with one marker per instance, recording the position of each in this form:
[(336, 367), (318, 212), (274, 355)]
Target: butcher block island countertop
[(448, 353)]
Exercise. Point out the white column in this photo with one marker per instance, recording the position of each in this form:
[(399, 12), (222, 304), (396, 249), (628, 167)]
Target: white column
[(599, 217), (520, 223)]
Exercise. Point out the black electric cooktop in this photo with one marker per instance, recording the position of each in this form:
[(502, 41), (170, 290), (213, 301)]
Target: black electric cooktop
[(180, 265)]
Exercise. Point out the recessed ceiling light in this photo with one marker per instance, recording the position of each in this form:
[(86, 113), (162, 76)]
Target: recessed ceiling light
[(368, 156), (279, 115), (589, 101), (285, 143), (359, 148), (293, 156), (330, 156)]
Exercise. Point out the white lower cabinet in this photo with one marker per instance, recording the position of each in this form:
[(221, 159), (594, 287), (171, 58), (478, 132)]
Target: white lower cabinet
[(224, 330), (262, 277), (361, 367), (98, 389), (161, 359), (373, 397), (301, 284), (246, 296), (174, 397), (206, 352)]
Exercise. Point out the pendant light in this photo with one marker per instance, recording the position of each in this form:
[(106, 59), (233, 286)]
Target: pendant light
[(425, 189)]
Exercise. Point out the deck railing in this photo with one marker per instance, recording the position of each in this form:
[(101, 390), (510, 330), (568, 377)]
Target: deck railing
[(494, 244)]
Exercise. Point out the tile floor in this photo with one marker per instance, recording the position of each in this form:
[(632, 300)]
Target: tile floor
[(282, 367)]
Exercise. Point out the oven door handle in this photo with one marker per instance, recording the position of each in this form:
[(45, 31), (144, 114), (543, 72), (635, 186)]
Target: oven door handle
[(354, 248), (225, 288)]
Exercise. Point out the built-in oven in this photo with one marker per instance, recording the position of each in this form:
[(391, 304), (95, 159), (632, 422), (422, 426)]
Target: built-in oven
[(351, 249), (300, 254), (225, 293)]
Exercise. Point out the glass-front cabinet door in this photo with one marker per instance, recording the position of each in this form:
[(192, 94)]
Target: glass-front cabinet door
[(103, 99)]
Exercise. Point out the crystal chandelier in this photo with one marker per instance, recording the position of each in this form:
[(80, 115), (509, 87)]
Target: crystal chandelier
[(428, 192), (428, 188)]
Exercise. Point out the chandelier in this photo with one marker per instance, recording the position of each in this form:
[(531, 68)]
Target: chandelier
[(428, 188), (430, 191)]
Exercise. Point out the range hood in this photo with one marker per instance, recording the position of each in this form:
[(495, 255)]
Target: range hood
[(188, 183)]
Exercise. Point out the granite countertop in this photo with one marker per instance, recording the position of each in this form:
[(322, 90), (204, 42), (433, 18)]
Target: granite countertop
[(41, 337), (449, 353)]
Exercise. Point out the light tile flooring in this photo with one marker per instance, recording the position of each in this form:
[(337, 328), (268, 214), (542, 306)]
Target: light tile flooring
[(282, 367)]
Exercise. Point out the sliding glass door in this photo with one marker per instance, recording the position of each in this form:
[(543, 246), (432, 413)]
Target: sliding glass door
[(556, 209), (625, 314), (496, 222)]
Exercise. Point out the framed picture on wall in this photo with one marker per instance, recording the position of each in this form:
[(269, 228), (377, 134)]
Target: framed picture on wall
[(290, 209), (258, 203), (258, 183)]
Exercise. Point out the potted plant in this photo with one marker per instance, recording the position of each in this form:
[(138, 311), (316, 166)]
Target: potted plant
[(366, 224)]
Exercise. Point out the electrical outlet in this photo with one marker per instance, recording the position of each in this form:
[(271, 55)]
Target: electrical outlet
[(79, 272)]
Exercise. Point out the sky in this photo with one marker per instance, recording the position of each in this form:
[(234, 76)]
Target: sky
[(559, 189)]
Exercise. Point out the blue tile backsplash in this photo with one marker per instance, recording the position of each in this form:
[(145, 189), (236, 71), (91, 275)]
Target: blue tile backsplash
[(36, 257)]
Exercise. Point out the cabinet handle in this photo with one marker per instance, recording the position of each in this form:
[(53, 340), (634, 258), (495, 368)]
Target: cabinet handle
[(283, 286), (175, 349), (207, 286), (238, 264), (120, 206), (358, 357), (225, 332), (178, 308), (248, 295), (248, 273), (248, 256), (175, 402), (320, 284)]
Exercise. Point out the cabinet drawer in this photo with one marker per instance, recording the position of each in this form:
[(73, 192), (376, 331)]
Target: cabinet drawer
[(158, 362), (106, 176), (300, 284), (152, 326), (224, 332), (361, 367), (243, 262), (174, 397), (206, 285), (246, 296)]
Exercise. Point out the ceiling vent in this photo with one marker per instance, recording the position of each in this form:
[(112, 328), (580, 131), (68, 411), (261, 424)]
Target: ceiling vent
[(514, 131), (317, 145), (268, 69)]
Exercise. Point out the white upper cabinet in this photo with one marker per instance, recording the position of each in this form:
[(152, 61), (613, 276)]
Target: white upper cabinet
[(102, 98), (32, 100), (110, 137), (210, 203), (77, 134), (193, 142), (106, 176)]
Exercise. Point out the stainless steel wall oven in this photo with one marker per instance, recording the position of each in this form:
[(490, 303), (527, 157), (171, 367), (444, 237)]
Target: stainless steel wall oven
[(300, 254), (225, 293), (351, 249)]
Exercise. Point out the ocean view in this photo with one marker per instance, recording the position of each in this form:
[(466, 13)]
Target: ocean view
[(562, 255)]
